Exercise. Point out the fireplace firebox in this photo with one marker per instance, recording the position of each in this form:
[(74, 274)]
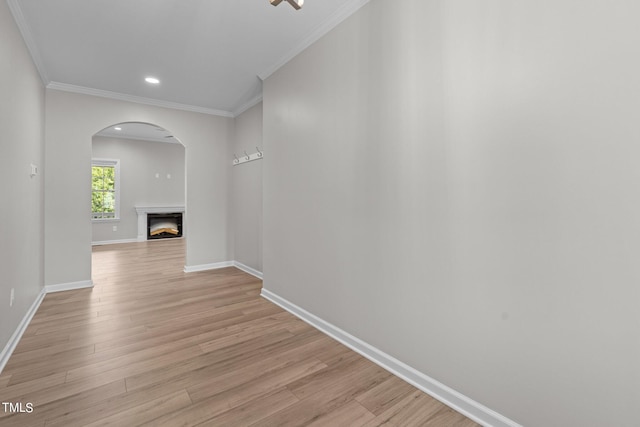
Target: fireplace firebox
[(164, 225)]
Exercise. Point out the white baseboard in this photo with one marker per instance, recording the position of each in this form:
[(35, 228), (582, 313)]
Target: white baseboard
[(113, 242), (204, 267), (223, 264), (68, 286), (15, 338), (248, 269), (461, 403)]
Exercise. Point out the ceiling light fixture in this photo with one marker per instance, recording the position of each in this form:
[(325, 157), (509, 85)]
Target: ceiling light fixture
[(152, 80), (297, 4), (117, 128)]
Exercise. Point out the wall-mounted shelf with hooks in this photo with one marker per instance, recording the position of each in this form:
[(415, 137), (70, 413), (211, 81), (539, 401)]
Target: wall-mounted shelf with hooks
[(247, 157)]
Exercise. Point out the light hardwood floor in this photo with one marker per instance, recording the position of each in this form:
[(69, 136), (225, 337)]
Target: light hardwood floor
[(151, 345)]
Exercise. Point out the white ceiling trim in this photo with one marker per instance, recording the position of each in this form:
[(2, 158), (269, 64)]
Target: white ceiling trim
[(137, 99), (348, 9), (18, 17), (244, 107)]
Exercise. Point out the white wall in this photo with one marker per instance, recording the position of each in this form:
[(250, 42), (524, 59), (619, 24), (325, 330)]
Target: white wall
[(71, 121), (247, 190), (455, 183), (21, 196), (140, 162)]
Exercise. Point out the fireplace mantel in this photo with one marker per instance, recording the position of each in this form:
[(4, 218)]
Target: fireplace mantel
[(142, 212)]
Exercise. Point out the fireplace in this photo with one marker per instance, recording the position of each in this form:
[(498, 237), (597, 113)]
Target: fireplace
[(164, 225)]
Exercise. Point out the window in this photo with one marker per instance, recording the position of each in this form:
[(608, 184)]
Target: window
[(105, 189)]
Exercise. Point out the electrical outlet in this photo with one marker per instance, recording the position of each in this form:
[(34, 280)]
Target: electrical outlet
[(12, 297), (115, 228)]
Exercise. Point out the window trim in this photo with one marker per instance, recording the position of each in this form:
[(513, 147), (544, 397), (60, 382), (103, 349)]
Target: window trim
[(115, 163)]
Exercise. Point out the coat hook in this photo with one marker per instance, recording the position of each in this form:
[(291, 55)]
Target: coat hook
[(245, 153), (236, 158), (259, 152)]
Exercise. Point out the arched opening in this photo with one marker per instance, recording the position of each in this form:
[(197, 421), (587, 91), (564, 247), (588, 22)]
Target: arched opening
[(138, 179)]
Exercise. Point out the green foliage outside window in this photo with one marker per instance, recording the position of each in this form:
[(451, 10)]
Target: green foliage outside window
[(103, 191)]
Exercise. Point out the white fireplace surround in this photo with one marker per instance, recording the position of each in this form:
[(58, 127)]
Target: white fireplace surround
[(142, 212)]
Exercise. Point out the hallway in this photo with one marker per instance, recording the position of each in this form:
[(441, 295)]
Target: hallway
[(152, 345)]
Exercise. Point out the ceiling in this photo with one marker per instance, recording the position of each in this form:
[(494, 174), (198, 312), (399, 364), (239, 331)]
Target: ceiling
[(209, 55)]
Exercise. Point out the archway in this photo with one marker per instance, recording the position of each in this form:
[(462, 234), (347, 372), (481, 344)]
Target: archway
[(138, 170)]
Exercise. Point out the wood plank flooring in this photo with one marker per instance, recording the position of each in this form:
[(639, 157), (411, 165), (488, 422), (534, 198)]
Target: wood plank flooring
[(150, 345)]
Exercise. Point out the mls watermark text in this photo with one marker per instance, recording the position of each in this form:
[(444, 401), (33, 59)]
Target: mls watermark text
[(17, 407)]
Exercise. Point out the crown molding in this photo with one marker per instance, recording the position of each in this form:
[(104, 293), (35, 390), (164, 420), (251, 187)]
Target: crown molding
[(136, 99), (25, 31), (348, 9), (244, 107)]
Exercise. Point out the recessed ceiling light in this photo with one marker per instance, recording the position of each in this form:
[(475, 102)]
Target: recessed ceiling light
[(117, 128), (152, 80)]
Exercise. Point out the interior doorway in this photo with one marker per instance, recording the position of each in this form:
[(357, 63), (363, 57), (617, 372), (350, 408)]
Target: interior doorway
[(138, 171)]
